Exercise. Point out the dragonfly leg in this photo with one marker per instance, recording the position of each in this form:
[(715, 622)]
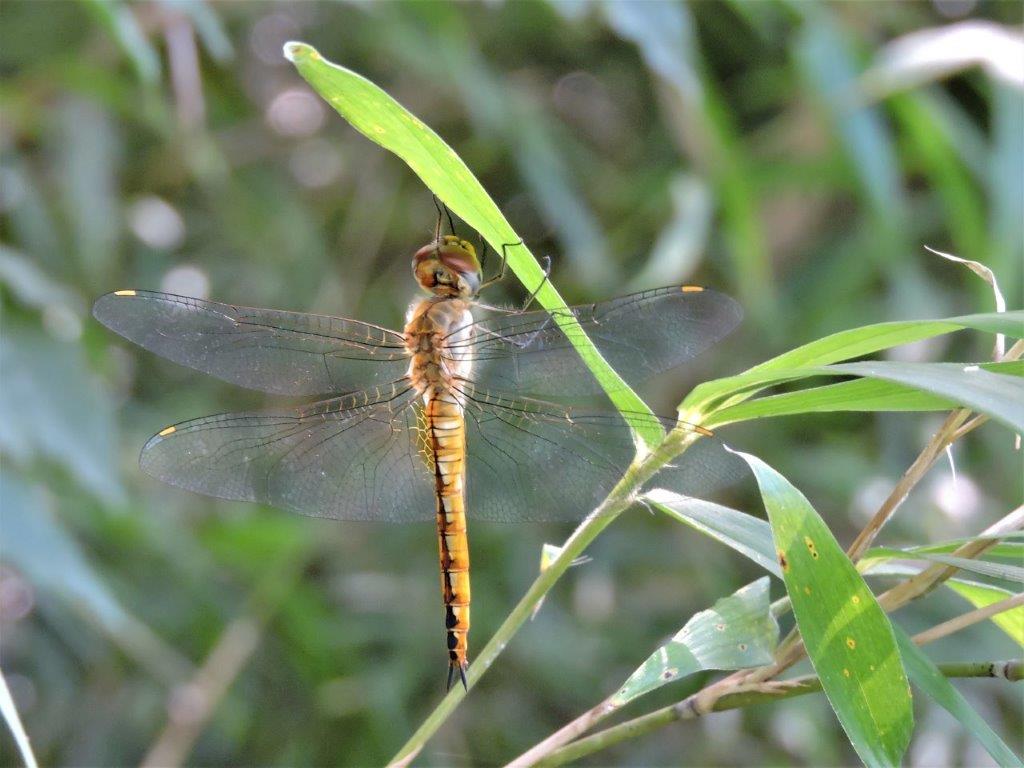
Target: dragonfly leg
[(532, 296), (442, 212), (504, 262)]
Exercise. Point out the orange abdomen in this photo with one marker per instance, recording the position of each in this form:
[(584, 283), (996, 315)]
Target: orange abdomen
[(447, 439)]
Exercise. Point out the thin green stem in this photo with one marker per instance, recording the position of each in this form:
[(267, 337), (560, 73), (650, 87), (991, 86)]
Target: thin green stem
[(620, 499), (688, 709)]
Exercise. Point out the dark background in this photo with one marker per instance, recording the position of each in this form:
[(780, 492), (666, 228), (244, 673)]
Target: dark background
[(771, 150)]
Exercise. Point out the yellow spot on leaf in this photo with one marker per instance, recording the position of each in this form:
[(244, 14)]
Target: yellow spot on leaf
[(811, 547), (783, 562), (691, 289), (855, 599), (124, 293), (851, 643), (167, 431), (807, 590), (846, 672)]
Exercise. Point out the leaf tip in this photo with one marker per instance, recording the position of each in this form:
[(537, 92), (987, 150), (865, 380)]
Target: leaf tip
[(296, 52)]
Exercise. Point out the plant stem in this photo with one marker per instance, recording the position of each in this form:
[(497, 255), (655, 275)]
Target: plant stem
[(966, 619), (931, 577), (945, 435), (745, 696), (620, 498)]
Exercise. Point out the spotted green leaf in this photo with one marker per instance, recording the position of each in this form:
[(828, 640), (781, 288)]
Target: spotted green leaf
[(848, 637), (739, 632)]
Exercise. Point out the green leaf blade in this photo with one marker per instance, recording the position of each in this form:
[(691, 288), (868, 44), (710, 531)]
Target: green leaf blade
[(860, 395), (844, 345), (998, 395), (1003, 571), (739, 632), (848, 637), (379, 117), (748, 535), (929, 679), (982, 595)]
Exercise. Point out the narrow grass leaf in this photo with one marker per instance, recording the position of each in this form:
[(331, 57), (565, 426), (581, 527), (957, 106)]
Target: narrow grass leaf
[(10, 714), (1010, 544), (748, 535), (119, 20), (844, 345), (952, 385), (926, 676), (997, 395), (981, 595), (863, 395), (376, 115), (847, 635), (739, 632), (984, 567)]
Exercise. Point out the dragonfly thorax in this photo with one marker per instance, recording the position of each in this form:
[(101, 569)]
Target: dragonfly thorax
[(435, 330), (448, 267)]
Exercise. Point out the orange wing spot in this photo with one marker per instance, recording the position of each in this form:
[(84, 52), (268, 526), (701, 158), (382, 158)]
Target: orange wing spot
[(167, 431), (691, 289), (124, 293)]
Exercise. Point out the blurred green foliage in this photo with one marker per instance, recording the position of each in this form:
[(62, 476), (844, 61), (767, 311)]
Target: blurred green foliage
[(170, 145)]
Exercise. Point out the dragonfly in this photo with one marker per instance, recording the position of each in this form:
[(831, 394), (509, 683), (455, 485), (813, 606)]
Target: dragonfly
[(452, 417)]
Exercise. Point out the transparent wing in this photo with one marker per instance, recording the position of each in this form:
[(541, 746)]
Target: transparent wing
[(284, 353), (349, 458), (640, 335), (530, 460)]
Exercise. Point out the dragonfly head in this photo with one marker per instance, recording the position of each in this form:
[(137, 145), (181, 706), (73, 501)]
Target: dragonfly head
[(448, 267)]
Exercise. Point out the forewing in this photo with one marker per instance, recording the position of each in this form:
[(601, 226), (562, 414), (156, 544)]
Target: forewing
[(530, 460), (350, 458), (284, 353), (640, 335)]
